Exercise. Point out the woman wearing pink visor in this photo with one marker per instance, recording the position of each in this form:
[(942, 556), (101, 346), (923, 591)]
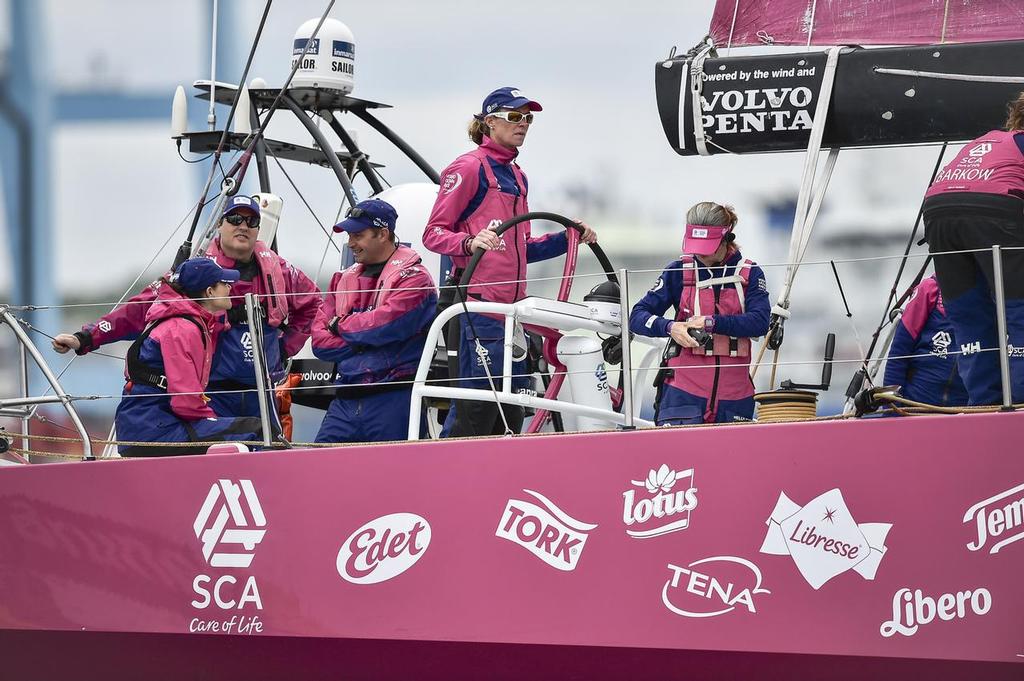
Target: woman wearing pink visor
[(720, 302)]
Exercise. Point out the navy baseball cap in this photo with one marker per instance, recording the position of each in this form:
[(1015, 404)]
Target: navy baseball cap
[(196, 274), (366, 214), (507, 98), (240, 203)]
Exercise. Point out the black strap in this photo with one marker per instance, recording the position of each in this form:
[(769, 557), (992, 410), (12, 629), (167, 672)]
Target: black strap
[(141, 373)]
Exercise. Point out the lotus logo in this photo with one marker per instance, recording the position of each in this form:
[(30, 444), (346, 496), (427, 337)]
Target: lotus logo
[(669, 508)]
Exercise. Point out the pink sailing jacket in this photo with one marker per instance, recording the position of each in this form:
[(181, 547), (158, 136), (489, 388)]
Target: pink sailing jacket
[(463, 210), (991, 164)]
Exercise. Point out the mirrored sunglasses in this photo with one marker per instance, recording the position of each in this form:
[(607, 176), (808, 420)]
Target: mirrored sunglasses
[(235, 219), (513, 116)]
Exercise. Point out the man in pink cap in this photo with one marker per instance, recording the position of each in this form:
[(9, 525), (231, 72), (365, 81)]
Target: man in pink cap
[(720, 302)]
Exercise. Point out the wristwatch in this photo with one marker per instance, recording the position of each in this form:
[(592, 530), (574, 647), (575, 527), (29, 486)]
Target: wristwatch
[(709, 323)]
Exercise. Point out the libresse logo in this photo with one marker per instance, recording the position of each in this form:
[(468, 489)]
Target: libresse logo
[(223, 524), (668, 510), (383, 548), (712, 586), (998, 519), (546, 531), (912, 610), (823, 538)]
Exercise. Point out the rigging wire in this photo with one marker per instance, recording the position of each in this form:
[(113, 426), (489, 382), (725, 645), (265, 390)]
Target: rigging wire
[(302, 197), (185, 250)]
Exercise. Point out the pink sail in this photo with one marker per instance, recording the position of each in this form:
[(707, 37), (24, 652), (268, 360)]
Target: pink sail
[(864, 22)]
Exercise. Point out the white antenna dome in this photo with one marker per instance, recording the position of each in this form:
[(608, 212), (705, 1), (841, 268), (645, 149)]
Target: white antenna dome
[(330, 60)]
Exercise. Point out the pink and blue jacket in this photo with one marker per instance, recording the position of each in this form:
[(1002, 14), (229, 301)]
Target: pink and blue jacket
[(740, 311), (382, 321), (182, 351), (922, 356), (286, 328), (483, 188)]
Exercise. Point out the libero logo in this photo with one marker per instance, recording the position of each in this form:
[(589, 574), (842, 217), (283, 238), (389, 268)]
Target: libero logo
[(823, 538), (383, 548), (546, 531), (913, 609), (664, 508), (712, 586), (998, 520), (229, 525)]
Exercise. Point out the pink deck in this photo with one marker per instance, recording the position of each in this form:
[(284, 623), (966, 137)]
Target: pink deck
[(546, 583)]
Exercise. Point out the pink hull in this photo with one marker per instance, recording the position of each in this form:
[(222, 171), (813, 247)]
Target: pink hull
[(799, 551)]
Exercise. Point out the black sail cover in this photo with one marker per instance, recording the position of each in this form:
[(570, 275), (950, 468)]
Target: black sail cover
[(762, 103)]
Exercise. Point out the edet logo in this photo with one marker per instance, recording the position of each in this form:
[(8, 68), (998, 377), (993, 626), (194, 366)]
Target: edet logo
[(549, 533), (383, 548), (998, 515), (703, 589), (664, 508), (823, 538)]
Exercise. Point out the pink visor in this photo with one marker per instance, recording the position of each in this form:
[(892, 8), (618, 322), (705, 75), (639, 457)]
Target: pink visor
[(703, 239)]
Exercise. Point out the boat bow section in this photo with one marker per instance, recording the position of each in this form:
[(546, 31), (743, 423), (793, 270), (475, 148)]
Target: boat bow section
[(818, 550)]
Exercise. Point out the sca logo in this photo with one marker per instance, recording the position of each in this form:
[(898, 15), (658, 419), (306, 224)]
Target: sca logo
[(229, 524), (544, 530), (665, 508), (712, 586), (383, 548)]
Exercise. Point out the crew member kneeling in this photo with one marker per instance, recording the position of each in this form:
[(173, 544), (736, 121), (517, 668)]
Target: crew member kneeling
[(715, 291), (372, 324), (168, 367)]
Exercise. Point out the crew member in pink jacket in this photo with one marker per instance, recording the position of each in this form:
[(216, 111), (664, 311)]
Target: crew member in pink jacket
[(480, 190), (167, 368)]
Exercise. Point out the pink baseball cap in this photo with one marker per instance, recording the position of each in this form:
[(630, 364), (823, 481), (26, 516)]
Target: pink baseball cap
[(703, 239)]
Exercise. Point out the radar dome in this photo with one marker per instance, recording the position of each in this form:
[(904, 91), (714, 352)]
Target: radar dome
[(330, 60)]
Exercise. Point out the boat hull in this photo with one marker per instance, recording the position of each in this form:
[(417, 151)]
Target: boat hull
[(714, 551)]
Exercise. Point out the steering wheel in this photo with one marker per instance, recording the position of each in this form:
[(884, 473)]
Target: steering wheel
[(551, 336)]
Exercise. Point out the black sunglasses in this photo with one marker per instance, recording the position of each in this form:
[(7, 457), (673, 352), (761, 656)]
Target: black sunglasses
[(252, 220), (356, 212)]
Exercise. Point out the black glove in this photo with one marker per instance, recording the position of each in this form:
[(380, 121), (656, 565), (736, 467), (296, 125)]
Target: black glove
[(332, 325)]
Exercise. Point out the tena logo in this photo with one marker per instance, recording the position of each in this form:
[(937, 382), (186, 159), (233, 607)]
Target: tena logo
[(999, 519), (823, 538), (705, 588), (668, 510), (546, 531), (383, 548)]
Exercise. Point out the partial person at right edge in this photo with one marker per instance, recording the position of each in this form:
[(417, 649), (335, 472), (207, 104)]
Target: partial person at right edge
[(923, 355), (721, 298), (373, 324), (976, 202)]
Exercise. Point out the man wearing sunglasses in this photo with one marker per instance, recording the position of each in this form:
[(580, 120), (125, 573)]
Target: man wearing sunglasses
[(289, 299), (479, 191), (373, 324)]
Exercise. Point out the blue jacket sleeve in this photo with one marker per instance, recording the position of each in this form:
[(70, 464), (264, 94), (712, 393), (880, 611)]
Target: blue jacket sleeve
[(646, 317), (546, 247), (753, 322), (897, 365)]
